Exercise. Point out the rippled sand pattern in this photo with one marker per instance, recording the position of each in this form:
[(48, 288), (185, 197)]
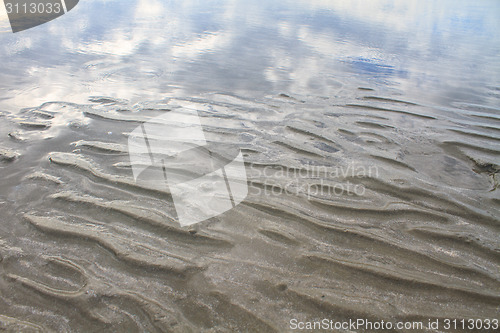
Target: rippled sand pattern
[(83, 247)]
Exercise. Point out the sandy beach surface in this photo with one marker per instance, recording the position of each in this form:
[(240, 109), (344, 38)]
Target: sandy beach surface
[(370, 137)]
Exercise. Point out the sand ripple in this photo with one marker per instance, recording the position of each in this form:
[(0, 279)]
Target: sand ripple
[(370, 207)]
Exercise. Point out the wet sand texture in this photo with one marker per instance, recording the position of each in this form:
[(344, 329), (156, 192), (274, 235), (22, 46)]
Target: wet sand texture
[(83, 247)]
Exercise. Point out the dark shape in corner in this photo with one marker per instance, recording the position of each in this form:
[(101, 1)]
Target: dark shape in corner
[(26, 14)]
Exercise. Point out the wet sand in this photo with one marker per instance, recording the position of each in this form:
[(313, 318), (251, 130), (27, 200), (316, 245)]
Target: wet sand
[(362, 205)]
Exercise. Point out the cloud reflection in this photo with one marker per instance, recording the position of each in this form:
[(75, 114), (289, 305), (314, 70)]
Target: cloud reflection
[(144, 49)]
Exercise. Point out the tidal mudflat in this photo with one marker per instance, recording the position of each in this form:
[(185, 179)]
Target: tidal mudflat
[(370, 145)]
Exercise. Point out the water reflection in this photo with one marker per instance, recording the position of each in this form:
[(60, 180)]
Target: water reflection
[(146, 49)]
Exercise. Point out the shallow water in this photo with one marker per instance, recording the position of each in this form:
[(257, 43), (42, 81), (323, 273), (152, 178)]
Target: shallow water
[(370, 135)]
